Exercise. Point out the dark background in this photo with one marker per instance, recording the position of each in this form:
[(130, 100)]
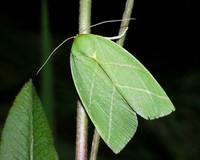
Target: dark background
[(164, 37)]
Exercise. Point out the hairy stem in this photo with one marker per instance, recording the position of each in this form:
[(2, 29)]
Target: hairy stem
[(85, 16), (95, 145), (81, 133), (124, 24), (82, 119)]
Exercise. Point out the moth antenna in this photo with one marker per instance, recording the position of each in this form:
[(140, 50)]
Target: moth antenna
[(119, 36), (109, 21), (53, 53)]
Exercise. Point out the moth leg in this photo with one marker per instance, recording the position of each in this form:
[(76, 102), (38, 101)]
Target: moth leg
[(119, 36)]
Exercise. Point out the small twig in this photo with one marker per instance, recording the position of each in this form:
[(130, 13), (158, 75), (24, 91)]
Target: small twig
[(124, 24), (95, 145)]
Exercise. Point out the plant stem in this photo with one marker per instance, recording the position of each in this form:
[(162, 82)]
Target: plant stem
[(81, 133), (85, 16), (82, 119), (124, 24), (95, 145)]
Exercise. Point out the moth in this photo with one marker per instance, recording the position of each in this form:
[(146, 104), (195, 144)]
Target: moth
[(114, 87)]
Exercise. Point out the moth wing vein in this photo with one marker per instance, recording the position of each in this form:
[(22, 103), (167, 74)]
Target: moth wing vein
[(110, 114), (142, 90)]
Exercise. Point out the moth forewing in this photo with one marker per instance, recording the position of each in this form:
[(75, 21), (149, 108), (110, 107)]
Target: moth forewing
[(113, 85)]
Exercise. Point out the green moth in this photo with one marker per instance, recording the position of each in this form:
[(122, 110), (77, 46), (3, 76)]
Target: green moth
[(113, 87)]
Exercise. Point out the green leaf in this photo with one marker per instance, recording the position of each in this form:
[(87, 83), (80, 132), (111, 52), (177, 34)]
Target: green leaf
[(26, 135), (113, 86)]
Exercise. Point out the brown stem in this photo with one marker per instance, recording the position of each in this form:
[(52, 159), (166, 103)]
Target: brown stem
[(82, 119), (95, 145), (126, 15), (81, 133)]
